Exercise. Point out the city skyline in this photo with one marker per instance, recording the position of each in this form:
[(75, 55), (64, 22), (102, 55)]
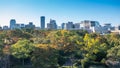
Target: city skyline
[(24, 11)]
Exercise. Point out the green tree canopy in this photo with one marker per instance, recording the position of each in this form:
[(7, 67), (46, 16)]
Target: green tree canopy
[(22, 48)]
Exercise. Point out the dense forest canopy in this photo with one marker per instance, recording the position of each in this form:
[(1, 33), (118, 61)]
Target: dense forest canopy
[(56, 48)]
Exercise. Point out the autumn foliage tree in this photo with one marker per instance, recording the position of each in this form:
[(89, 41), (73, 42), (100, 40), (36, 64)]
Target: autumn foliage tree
[(44, 56)]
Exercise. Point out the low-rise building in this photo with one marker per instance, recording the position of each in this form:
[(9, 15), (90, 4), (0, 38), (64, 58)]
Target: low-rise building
[(30, 25), (116, 30), (5, 28)]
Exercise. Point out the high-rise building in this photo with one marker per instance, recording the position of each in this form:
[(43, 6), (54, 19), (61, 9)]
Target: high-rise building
[(42, 22), (52, 24), (69, 25), (12, 24), (63, 25)]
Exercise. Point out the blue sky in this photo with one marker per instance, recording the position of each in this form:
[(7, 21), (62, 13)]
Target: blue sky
[(24, 11)]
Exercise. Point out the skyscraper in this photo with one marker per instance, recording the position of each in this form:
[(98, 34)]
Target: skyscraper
[(12, 24), (63, 25), (42, 22)]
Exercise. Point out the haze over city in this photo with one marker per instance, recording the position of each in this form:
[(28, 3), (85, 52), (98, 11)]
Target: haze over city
[(24, 11)]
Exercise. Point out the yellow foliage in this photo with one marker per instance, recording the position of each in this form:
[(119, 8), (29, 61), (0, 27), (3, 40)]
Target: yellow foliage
[(45, 46), (63, 32)]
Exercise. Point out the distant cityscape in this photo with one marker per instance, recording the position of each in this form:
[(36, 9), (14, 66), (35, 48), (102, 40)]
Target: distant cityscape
[(90, 26)]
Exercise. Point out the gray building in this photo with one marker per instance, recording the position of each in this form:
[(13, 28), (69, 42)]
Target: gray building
[(52, 24), (76, 26), (5, 28), (119, 27), (17, 26), (0, 28), (30, 25), (69, 25), (63, 25), (22, 26)]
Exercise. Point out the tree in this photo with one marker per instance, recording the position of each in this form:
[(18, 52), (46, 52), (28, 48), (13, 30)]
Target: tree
[(39, 36), (113, 39), (45, 56), (66, 42), (22, 49), (95, 48), (114, 52), (1, 47), (19, 33), (1, 52)]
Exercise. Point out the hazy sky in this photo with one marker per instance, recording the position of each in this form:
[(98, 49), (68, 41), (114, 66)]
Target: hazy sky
[(24, 11)]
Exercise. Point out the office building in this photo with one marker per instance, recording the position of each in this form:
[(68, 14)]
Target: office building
[(87, 24), (5, 28), (30, 26), (116, 30), (0, 28), (69, 25), (63, 25), (119, 27), (12, 24), (22, 26), (76, 26), (52, 24), (42, 22), (17, 26), (91, 26), (106, 28)]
